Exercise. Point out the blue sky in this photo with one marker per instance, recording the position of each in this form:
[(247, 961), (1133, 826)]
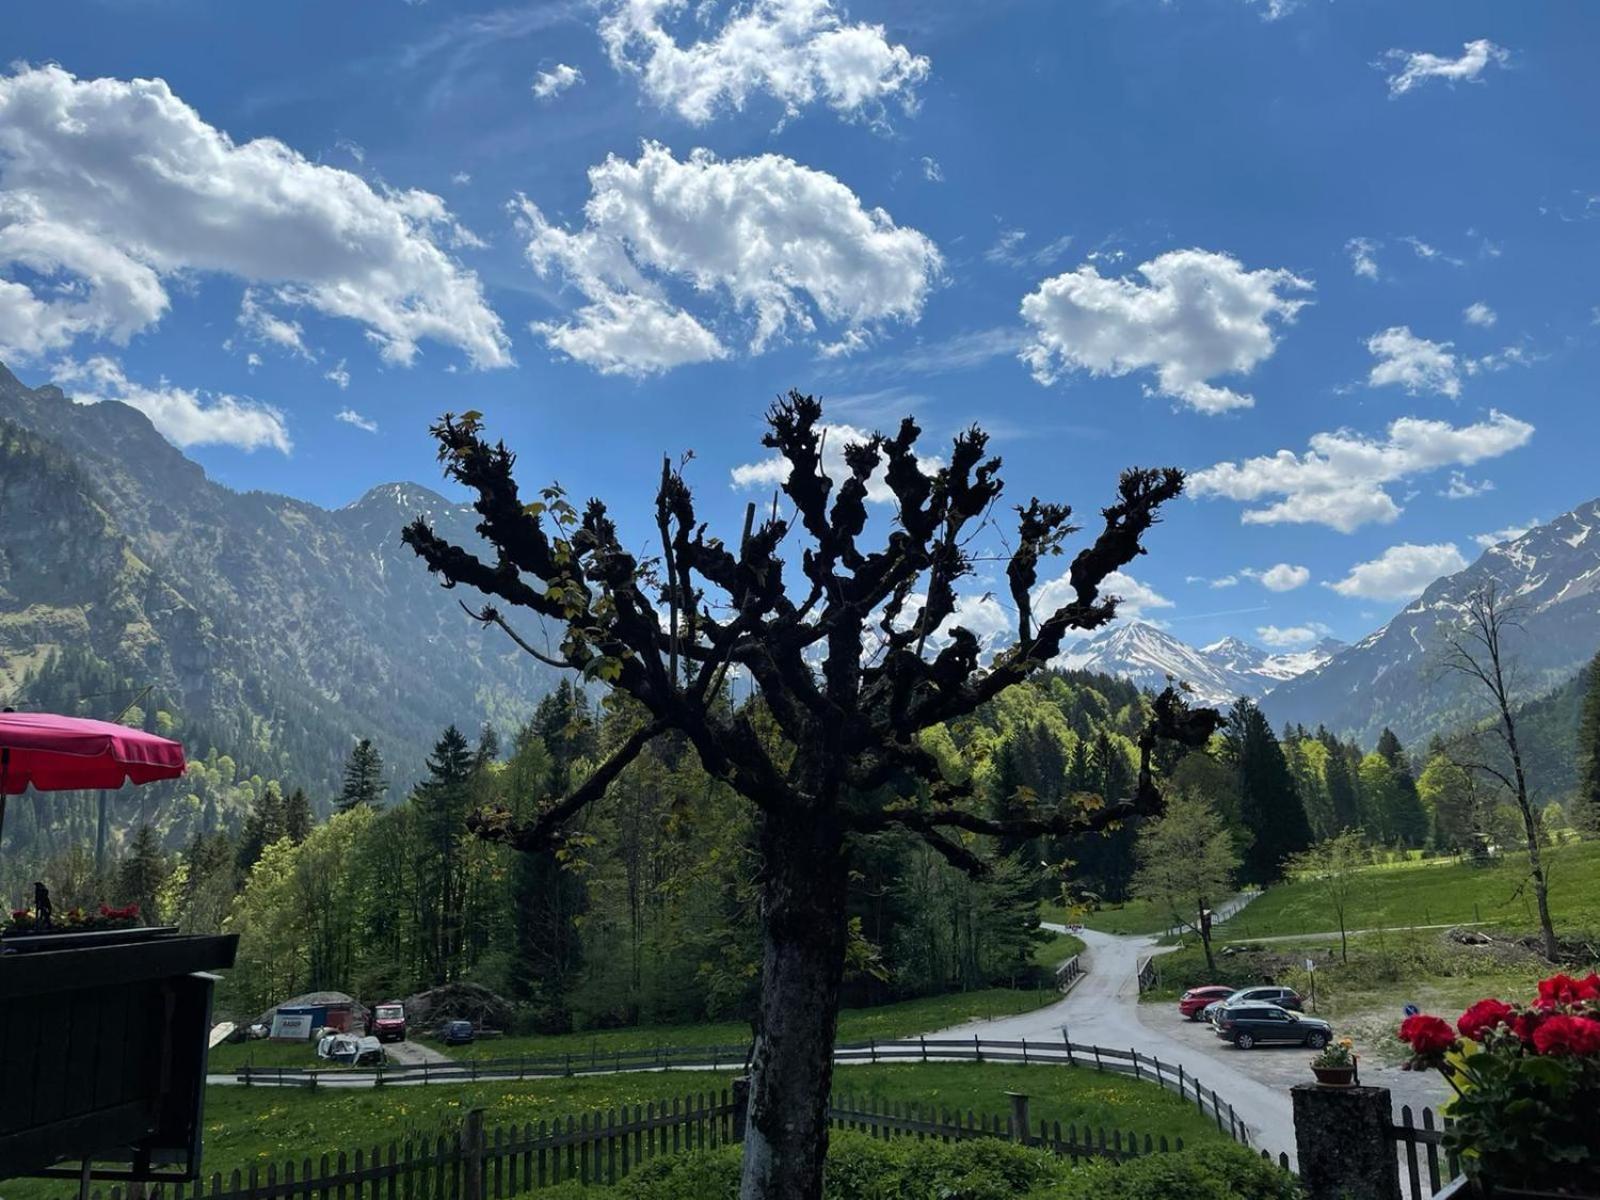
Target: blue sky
[(1225, 234)]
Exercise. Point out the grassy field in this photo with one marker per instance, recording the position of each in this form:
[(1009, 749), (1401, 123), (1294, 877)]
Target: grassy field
[(1057, 950), (261, 1125), (1136, 916), (1424, 893), (883, 1022)]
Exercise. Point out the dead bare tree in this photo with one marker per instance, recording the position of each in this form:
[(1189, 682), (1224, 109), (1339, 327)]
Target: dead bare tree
[(1476, 649), (851, 668)]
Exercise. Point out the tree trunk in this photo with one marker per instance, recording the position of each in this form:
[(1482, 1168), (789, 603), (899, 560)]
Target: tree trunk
[(803, 889)]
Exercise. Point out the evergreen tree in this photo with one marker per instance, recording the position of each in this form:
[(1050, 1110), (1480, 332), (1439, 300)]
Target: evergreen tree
[(264, 826), (363, 778), (1407, 819), (442, 801), (1344, 797), (1269, 805), (143, 874), (1586, 812), (208, 883), (297, 816), (488, 746)]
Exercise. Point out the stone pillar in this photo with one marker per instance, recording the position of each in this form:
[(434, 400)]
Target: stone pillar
[(1021, 1131), (741, 1106), (1342, 1137)]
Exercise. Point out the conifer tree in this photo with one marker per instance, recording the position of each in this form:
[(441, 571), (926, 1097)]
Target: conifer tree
[(1586, 812), (442, 800), (297, 816), (143, 873), (1269, 804), (264, 826), (1344, 796), (363, 778)]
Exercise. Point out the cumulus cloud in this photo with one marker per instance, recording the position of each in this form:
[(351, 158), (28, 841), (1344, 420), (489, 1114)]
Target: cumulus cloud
[(931, 170), (1288, 637), (109, 189), (184, 417), (549, 84), (784, 246), (351, 417), (1480, 314), (1413, 363), (1509, 534), (1400, 572), (1281, 577), (1341, 480), (264, 325), (1221, 581), (1462, 488), (773, 471), (338, 375), (1195, 316), (1363, 256), (1412, 67), (798, 52)]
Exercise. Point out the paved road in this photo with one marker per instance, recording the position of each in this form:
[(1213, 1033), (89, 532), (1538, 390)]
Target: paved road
[(1103, 1010), (414, 1054)]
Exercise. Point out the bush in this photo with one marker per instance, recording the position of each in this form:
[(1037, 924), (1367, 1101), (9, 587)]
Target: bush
[(1219, 1172), (863, 1168)]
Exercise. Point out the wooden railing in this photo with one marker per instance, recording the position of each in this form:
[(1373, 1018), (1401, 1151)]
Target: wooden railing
[(1069, 972)]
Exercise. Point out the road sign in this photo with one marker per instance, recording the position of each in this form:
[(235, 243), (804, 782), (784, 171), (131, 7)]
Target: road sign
[(1311, 964)]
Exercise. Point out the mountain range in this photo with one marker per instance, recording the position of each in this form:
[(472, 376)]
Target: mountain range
[(1217, 674), (279, 631)]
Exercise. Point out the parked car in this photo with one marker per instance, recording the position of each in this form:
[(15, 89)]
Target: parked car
[(1247, 1025), (389, 1022), (1192, 1003), (457, 1033), (1283, 997), (348, 1048)]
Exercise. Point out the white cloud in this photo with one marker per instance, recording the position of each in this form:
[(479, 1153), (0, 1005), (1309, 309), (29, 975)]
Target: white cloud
[(184, 417), (773, 471), (1431, 253), (1414, 363), (931, 170), (1509, 534), (109, 189), (799, 52), (1499, 360), (1363, 256), (1401, 572), (1480, 314), (461, 178), (551, 83), (1340, 481), (1008, 250), (351, 417), (1281, 577), (1414, 67), (266, 326), (1196, 315), (1288, 637), (783, 245), (1462, 488), (338, 375), (1134, 599)]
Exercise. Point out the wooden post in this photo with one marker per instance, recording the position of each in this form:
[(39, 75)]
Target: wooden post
[(472, 1153), (1019, 1117)]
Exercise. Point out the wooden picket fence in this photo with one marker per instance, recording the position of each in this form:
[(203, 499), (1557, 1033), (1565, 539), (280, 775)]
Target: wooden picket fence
[(602, 1148), (1420, 1173)]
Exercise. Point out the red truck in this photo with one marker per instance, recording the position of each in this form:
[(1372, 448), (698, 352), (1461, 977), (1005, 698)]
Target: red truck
[(389, 1022)]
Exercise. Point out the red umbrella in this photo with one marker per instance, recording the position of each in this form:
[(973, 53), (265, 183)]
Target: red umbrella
[(55, 754)]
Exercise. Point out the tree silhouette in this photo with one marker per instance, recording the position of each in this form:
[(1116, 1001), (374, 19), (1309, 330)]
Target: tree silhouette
[(851, 665)]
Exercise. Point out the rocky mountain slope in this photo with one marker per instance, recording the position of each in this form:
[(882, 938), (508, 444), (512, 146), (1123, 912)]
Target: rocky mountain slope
[(285, 631), (1395, 677), (1217, 674)]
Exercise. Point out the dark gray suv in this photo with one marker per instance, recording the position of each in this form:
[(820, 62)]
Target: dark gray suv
[(1247, 1025)]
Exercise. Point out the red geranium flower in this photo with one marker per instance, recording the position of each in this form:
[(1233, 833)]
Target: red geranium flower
[(1561, 990), (1484, 1016), (1427, 1035), (1567, 1035)]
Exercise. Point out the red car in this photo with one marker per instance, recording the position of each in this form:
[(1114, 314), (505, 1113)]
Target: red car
[(1194, 1001)]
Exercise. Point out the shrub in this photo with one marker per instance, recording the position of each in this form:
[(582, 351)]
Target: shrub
[(1219, 1172)]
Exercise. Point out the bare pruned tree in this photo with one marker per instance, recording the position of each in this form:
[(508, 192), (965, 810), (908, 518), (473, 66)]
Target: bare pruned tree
[(852, 664), (1476, 649)]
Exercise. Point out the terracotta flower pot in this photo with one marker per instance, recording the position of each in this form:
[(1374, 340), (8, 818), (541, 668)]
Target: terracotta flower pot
[(1335, 1076)]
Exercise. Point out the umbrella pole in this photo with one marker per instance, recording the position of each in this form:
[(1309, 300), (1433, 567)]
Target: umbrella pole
[(5, 761)]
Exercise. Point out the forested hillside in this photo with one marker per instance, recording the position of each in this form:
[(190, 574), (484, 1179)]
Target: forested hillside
[(269, 634)]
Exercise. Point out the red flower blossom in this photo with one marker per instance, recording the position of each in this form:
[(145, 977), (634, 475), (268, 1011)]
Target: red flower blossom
[(1484, 1016), (1567, 1035), (1526, 1024), (1560, 991), (1427, 1035), (20, 914)]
